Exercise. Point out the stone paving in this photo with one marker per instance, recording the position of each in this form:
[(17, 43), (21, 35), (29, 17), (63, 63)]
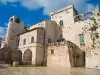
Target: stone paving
[(47, 71)]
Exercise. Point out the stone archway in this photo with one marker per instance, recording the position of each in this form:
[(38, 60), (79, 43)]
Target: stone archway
[(17, 56), (76, 55), (27, 57)]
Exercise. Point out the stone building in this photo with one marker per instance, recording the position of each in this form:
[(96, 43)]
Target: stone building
[(33, 46), (56, 42), (65, 54), (36, 39)]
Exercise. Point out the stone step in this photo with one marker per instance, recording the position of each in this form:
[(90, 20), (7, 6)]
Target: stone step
[(5, 65)]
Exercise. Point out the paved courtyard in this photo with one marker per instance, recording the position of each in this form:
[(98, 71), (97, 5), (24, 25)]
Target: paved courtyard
[(47, 71)]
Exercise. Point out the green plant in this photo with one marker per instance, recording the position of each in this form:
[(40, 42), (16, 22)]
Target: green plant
[(92, 29)]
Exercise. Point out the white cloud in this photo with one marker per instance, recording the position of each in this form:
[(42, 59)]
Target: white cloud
[(52, 5), (30, 4), (3, 31), (90, 7), (6, 1), (14, 5), (82, 5)]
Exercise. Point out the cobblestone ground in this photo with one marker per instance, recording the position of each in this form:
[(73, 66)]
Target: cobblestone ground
[(47, 71)]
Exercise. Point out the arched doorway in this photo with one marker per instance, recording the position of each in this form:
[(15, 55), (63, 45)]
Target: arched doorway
[(27, 57), (17, 56)]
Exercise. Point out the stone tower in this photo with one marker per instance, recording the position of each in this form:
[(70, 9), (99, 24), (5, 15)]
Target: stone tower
[(65, 18), (15, 27)]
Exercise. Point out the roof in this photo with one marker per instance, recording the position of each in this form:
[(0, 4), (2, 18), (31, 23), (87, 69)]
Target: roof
[(36, 24), (31, 30)]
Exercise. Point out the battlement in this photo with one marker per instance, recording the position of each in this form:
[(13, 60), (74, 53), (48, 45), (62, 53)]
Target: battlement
[(41, 24), (58, 44)]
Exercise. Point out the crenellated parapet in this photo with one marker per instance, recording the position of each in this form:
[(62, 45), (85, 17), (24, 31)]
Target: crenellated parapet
[(57, 44)]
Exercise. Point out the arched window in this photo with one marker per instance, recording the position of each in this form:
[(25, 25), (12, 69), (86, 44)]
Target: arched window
[(17, 20), (11, 19), (61, 23)]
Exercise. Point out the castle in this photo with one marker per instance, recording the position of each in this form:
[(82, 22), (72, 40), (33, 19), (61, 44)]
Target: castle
[(56, 42)]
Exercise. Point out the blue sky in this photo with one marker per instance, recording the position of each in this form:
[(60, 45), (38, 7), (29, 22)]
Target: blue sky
[(33, 11)]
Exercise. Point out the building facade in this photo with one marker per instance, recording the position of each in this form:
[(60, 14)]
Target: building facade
[(56, 42)]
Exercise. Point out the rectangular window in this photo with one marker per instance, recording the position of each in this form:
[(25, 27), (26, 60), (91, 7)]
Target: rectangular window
[(52, 51), (81, 39), (32, 39), (24, 41)]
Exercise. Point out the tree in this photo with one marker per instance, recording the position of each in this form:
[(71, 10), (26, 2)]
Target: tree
[(92, 28)]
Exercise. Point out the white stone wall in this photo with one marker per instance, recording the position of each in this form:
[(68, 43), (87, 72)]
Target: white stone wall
[(65, 54), (29, 45), (93, 58), (70, 29), (36, 47), (67, 15), (51, 28), (75, 30), (27, 36), (60, 58)]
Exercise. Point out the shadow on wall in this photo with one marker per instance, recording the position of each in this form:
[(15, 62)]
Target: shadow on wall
[(10, 55), (77, 56), (6, 53), (2, 54)]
